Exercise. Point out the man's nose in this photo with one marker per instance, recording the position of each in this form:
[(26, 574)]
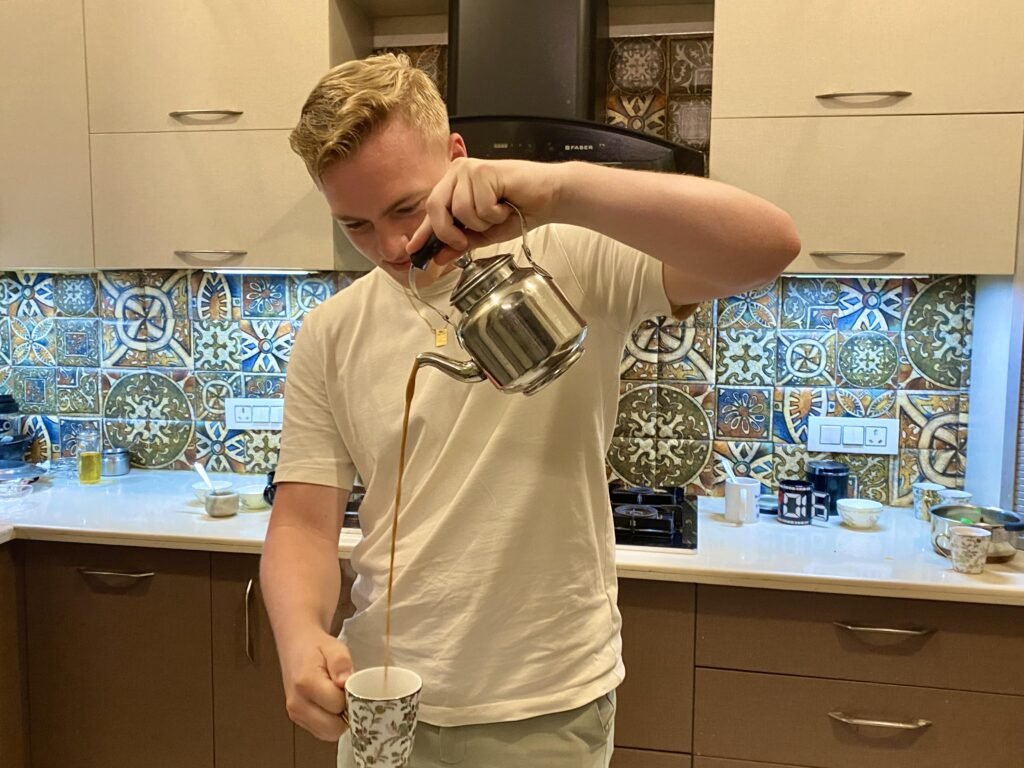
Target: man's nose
[(391, 243)]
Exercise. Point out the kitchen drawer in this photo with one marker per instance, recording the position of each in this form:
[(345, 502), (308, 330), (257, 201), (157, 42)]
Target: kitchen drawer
[(966, 647), (774, 58), (784, 719), (721, 762), (641, 758), (928, 194)]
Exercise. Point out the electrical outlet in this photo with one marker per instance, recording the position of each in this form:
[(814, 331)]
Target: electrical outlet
[(842, 434), (253, 413)]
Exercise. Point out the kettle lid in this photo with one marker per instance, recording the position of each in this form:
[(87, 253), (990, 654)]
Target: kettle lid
[(479, 276)]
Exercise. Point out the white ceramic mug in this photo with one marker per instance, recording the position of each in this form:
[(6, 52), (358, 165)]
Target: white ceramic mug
[(382, 715), (926, 496), (968, 548), (742, 497)]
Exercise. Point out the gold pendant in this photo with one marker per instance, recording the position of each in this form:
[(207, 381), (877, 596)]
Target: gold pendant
[(440, 337)]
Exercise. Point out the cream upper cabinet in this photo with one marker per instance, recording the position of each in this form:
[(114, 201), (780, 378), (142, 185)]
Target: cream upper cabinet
[(207, 199), (795, 57), (45, 207), (217, 64), (931, 194)]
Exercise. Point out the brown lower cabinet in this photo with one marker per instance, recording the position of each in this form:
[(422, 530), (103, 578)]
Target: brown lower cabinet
[(721, 762), (118, 657), (13, 690), (642, 758), (839, 724)]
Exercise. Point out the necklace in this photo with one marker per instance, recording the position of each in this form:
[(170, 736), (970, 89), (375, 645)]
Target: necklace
[(440, 334)]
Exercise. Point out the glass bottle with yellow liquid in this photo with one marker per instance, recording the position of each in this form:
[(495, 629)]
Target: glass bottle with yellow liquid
[(89, 456)]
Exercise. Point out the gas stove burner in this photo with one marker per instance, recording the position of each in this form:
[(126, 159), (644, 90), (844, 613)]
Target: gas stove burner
[(636, 511)]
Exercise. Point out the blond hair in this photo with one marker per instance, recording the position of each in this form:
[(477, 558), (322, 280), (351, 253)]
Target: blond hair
[(357, 97)]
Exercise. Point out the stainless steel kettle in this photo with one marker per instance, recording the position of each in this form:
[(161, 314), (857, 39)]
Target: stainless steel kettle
[(517, 326)]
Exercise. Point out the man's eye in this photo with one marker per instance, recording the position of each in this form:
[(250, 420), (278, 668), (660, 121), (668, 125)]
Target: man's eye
[(408, 211), (356, 226)]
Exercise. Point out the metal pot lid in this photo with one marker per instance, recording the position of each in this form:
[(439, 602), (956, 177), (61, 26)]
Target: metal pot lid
[(983, 517), (115, 452), (827, 467), (19, 470), (479, 276)]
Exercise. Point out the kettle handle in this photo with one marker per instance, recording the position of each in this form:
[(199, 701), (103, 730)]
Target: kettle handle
[(434, 244)]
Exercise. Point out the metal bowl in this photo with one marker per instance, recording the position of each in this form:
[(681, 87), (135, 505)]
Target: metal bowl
[(1004, 526)]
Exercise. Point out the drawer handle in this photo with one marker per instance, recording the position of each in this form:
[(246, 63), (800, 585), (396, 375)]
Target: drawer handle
[(913, 725), (844, 94), (884, 254), (884, 630), (249, 654), (118, 574), (179, 113), (200, 252)]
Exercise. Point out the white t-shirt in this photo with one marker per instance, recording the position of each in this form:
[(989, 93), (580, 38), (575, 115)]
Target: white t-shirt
[(505, 587)]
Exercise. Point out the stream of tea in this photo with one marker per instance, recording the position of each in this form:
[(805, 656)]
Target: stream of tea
[(410, 389)]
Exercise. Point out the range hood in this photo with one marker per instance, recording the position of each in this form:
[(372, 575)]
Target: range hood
[(527, 80)]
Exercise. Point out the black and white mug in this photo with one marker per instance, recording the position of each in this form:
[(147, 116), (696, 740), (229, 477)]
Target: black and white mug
[(799, 503)]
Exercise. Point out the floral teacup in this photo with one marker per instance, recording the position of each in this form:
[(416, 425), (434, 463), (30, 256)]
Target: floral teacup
[(382, 715)]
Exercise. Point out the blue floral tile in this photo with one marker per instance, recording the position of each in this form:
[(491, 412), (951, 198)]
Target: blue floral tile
[(866, 403), (220, 449), (5, 341), (809, 303), (164, 395), (29, 294), (122, 295), (793, 406), (873, 473), (170, 288), (789, 461), (70, 429), (754, 309), (261, 450), (264, 296), (806, 358), (46, 445), (937, 332), (868, 360), (307, 292), (745, 414), (123, 344), (35, 389), (687, 464), (269, 386), (930, 421), (168, 328), (9, 291), (915, 466), (747, 459), (870, 304), (265, 346), (211, 389), (746, 356), (78, 343), (78, 391), (634, 461), (640, 357), (686, 352), (8, 380), (75, 295), (33, 341), (216, 297), (216, 345)]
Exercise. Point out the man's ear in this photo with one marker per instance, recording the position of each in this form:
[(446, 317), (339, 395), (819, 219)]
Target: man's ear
[(456, 147)]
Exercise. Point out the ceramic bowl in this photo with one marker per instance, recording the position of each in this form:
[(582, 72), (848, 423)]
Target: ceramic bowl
[(252, 497), (859, 513), (955, 496), (200, 490)]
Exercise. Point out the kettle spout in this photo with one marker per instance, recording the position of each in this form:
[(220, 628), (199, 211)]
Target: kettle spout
[(467, 371)]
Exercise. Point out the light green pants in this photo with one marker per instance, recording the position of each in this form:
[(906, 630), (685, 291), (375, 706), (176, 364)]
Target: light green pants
[(579, 738)]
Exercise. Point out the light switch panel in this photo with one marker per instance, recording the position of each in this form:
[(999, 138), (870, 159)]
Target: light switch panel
[(254, 412), (842, 434)]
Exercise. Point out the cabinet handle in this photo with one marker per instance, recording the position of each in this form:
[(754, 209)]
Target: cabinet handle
[(844, 94), (179, 113), (118, 574), (913, 725), (883, 630), (884, 254), (201, 252), (249, 654)]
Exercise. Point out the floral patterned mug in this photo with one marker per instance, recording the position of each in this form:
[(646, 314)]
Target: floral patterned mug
[(382, 715)]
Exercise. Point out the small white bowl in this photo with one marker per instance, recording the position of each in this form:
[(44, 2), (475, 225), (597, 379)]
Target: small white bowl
[(859, 513), (252, 497), (200, 489)]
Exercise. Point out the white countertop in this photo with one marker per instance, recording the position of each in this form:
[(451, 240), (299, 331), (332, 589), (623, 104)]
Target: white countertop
[(157, 509)]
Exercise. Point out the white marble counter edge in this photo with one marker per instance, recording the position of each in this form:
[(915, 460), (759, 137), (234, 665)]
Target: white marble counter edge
[(993, 587)]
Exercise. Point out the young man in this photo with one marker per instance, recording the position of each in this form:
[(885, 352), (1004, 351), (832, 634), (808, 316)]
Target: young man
[(505, 588)]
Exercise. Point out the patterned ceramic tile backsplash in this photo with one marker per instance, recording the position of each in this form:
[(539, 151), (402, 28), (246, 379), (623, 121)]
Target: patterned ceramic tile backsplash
[(150, 356)]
